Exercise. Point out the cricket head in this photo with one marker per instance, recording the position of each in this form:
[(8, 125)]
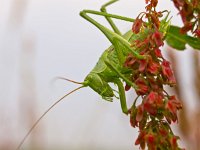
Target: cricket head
[(99, 85)]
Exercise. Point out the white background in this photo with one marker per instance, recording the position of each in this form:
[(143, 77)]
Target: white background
[(60, 43)]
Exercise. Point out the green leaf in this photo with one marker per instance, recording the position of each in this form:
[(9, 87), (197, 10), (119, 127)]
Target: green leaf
[(178, 41)]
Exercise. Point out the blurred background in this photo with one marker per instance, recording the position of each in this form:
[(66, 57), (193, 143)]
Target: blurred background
[(43, 39)]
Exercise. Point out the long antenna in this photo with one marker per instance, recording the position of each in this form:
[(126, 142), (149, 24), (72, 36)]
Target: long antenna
[(62, 78), (38, 120)]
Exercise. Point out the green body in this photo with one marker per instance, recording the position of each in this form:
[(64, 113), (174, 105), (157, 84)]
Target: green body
[(102, 74)]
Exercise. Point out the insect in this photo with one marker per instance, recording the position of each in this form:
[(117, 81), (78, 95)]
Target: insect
[(109, 68)]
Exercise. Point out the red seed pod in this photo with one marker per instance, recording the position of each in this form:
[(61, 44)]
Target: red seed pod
[(150, 108), (142, 86), (146, 1), (197, 32), (140, 140), (137, 25), (167, 72), (153, 67), (158, 52), (178, 3), (133, 113), (173, 142), (130, 60), (140, 111), (157, 37), (155, 84), (163, 132), (187, 27), (173, 104), (195, 3), (154, 3), (127, 87), (142, 65), (155, 20), (150, 139)]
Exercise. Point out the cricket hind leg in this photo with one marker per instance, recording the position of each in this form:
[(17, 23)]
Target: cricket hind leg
[(122, 49), (119, 83), (114, 69), (110, 21), (122, 96), (107, 32)]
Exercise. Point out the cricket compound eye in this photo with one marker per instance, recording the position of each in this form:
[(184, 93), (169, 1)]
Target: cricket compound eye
[(99, 85)]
